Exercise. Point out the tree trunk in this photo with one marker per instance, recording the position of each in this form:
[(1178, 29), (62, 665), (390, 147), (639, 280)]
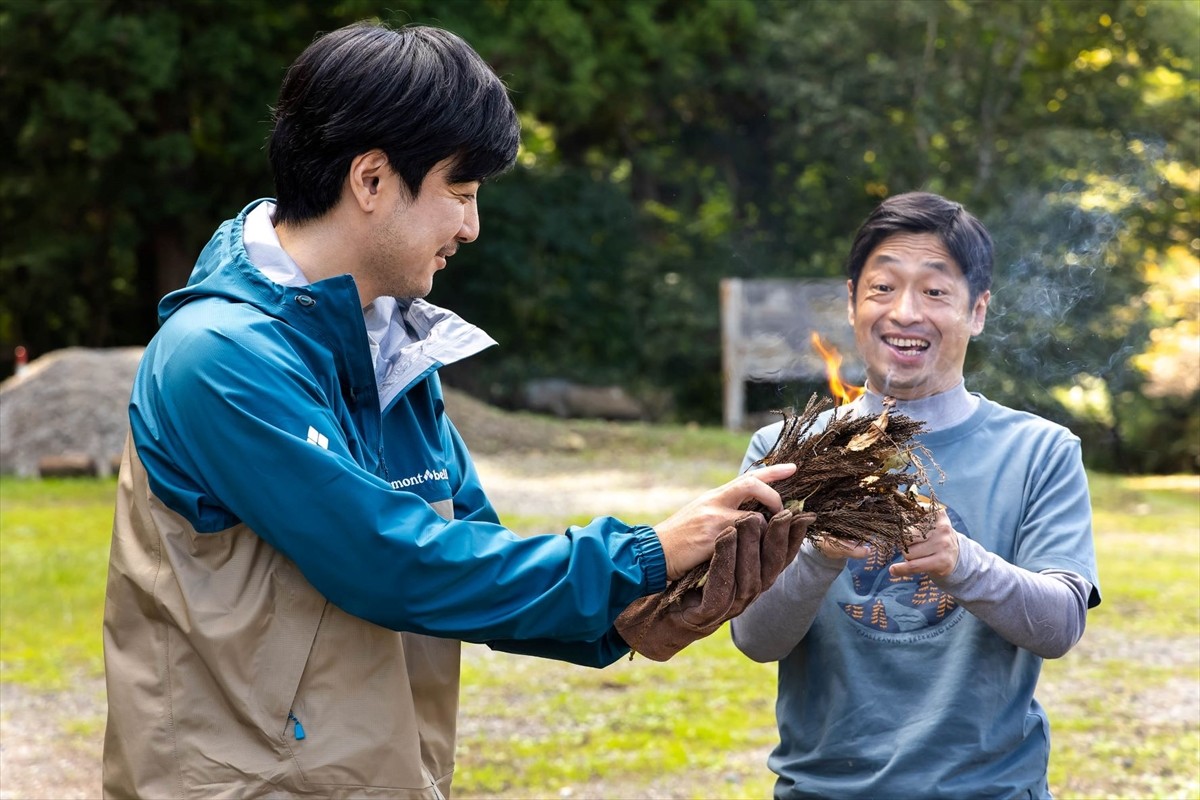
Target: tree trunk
[(172, 262)]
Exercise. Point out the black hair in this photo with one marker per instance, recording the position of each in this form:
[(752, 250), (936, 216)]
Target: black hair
[(417, 93), (963, 235)]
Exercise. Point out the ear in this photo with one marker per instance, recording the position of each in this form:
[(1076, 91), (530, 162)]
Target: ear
[(979, 312), (850, 302), (367, 172)]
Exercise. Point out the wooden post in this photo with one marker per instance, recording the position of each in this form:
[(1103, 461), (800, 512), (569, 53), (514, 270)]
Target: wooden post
[(766, 335), (733, 373)]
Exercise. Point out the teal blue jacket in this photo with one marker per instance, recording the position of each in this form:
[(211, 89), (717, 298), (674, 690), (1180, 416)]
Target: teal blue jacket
[(257, 403)]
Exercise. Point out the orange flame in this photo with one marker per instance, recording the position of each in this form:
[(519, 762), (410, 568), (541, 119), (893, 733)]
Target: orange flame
[(842, 393)]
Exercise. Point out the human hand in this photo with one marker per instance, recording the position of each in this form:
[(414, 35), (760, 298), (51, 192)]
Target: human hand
[(835, 548), (934, 553), (747, 559), (689, 535)]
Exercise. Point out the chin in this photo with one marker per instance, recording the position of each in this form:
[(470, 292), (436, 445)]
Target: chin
[(901, 390), (418, 291)]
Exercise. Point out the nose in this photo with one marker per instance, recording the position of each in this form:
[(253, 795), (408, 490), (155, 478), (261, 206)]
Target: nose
[(906, 309), (469, 231)]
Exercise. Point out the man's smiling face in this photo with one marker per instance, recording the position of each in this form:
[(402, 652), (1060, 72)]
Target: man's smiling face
[(413, 237), (913, 316)]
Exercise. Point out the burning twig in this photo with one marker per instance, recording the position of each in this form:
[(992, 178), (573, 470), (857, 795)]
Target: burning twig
[(863, 478)]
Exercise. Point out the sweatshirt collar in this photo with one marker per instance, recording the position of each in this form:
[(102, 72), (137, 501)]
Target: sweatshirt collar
[(938, 411)]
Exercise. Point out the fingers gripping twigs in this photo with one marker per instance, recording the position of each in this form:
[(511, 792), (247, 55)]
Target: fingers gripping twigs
[(865, 477), (689, 535), (753, 485), (932, 549)]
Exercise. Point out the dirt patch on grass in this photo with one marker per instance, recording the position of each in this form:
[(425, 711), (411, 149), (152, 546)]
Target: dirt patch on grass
[(50, 744)]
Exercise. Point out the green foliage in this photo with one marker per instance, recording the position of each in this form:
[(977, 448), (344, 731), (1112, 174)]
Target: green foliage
[(667, 144), (130, 129), (1025, 112), (541, 296), (1058, 123), (1160, 435)]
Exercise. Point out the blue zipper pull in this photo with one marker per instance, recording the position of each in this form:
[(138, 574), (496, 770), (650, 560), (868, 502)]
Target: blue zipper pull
[(300, 734)]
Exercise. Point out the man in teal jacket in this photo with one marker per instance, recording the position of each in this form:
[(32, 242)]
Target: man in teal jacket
[(300, 540)]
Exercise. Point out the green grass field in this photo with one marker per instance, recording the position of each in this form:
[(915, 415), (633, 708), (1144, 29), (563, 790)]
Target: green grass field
[(1123, 705), (54, 538)]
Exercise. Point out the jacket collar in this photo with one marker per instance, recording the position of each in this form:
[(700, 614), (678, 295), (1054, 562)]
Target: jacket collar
[(243, 262)]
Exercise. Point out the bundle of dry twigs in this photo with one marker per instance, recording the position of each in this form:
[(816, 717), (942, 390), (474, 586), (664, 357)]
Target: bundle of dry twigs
[(864, 477)]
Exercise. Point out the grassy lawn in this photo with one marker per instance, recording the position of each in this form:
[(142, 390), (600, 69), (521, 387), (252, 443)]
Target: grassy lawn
[(704, 720), (1123, 704), (1126, 702), (54, 538)]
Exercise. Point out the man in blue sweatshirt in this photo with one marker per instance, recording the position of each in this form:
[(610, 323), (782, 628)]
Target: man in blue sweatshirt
[(912, 675)]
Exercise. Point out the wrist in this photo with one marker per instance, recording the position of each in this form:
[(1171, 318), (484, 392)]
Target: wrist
[(965, 565), (652, 557)]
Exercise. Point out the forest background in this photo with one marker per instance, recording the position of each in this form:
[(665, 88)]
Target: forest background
[(666, 145)]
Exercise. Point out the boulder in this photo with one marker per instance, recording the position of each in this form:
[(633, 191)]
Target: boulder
[(67, 407), (566, 399)]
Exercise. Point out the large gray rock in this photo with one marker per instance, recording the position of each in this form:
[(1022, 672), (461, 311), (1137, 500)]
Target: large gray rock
[(68, 403), (566, 399)]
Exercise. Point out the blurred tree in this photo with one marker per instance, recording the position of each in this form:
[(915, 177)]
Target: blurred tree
[(667, 144), (130, 128), (751, 138), (645, 111)]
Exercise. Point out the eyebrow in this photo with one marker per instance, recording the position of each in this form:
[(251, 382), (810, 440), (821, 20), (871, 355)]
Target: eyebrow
[(936, 263)]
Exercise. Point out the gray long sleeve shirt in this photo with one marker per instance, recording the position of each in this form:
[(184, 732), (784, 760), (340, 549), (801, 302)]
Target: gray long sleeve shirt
[(1043, 612)]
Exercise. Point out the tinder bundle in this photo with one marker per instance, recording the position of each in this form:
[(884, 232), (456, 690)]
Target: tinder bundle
[(864, 477)]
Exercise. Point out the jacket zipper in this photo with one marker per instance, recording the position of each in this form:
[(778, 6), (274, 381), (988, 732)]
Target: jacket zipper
[(299, 729)]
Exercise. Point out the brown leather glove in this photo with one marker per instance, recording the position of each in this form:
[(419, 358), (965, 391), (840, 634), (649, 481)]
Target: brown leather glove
[(748, 557)]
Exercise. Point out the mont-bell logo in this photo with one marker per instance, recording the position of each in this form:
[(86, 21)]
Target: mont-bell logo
[(422, 477), (317, 438)]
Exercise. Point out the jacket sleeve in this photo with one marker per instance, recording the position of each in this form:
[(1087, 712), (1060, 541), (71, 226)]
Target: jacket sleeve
[(237, 433), (599, 653), (471, 503)]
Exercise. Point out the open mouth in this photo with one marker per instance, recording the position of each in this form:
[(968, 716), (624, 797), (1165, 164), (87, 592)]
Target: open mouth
[(906, 345)]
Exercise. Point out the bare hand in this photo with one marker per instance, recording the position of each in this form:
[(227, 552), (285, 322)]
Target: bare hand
[(935, 554), (689, 535), (833, 547)]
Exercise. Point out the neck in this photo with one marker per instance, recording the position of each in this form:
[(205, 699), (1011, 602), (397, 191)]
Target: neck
[(324, 248), (938, 411)]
